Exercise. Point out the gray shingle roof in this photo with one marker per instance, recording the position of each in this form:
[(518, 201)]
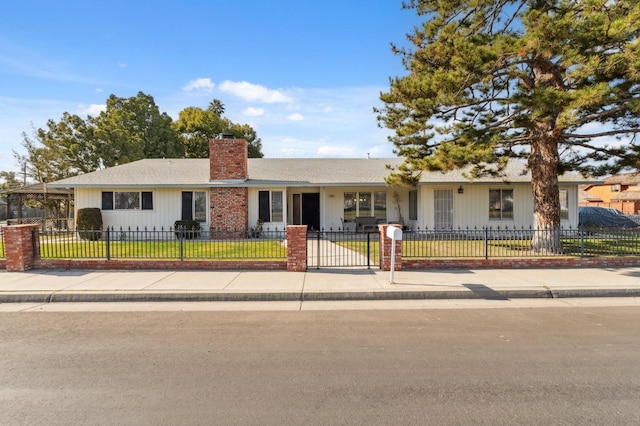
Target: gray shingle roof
[(275, 172), (149, 172)]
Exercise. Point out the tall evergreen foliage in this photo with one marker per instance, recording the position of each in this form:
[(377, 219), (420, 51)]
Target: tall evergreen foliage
[(129, 129), (554, 82)]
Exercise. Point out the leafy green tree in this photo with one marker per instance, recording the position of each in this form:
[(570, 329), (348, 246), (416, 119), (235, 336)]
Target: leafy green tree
[(246, 132), (65, 148), (547, 81), (9, 181), (196, 126), (133, 128)]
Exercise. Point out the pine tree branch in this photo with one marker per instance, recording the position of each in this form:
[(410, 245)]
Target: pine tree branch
[(601, 134), (604, 114)]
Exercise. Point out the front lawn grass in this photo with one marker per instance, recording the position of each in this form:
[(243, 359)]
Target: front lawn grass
[(191, 249), (423, 249)]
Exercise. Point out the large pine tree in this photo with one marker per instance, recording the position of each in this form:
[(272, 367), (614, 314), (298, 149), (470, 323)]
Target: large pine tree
[(554, 82)]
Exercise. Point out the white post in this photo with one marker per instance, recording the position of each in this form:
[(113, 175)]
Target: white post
[(393, 260), (396, 235)]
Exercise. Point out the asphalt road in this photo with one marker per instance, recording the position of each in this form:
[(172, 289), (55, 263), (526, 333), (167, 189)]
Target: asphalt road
[(488, 366)]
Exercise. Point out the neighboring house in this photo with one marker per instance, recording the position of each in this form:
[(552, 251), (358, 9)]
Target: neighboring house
[(228, 191), (621, 192)]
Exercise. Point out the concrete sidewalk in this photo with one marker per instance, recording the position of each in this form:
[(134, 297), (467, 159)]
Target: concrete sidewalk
[(46, 286)]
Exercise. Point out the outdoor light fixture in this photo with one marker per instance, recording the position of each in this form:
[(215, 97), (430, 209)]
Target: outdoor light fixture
[(460, 190)]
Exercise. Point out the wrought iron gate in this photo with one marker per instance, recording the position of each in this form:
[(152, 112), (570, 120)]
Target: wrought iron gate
[(337, 249)]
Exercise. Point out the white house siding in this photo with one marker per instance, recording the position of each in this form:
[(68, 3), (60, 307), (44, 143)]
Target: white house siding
[(471, 208), (167, 208), (573, 206)]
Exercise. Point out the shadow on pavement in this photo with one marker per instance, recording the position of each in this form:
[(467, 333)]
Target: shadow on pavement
[(485, 292)]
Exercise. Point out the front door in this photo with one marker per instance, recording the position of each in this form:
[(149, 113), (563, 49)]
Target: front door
[(443, 208), (311, 210)]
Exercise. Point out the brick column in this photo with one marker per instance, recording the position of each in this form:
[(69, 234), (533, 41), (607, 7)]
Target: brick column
[(228, 162), (385, 250), (297, 248), (229, 210), (20, 248)]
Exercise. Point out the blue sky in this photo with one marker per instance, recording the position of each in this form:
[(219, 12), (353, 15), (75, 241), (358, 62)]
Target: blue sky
[(305, 75)]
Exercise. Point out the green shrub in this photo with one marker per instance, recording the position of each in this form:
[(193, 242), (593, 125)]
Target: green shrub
[(187, 229), (89, 223)]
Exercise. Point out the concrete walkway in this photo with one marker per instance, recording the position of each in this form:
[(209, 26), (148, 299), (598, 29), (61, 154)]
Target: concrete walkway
[(330, 254), (46, 286)]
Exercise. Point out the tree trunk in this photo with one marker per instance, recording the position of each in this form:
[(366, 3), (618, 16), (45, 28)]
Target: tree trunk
[(543, 164)]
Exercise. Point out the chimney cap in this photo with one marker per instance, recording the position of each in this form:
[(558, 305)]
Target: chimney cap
[(226, 136)]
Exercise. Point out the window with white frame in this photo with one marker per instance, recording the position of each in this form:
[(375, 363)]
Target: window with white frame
[(270, 206), (365, 203), (564, 204), (127, 200), (501, 204), (200, 206)]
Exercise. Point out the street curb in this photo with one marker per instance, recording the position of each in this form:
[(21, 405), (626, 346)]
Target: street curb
[(488, 294)]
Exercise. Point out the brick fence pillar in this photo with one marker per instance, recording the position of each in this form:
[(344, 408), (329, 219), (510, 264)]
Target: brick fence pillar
[(385, 250), (21, 247), (297, 248)]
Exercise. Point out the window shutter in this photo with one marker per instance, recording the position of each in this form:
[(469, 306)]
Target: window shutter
[(264, 212), (107, 201), (147, 201), (187, 205)]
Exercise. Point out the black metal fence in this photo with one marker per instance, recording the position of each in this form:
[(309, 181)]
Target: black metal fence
[(111, 243), (343, 249), (495, 242), (332, 248)]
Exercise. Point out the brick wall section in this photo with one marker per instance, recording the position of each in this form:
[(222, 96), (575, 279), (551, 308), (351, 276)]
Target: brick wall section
[(522, 263), (297, 248), (385, 250), (191, 265), (229, 209), (19, 247), (228, 159), (600, 262)]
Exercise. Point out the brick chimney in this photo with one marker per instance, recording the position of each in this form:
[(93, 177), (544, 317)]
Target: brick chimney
[(228, 159), (229, 208)]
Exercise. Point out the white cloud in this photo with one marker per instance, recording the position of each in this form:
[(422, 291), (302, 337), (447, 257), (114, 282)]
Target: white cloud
[(254, 92), (99, 90), (93, 109), (327, 109), (295, 117), (122, 65), (253, 112), (199, 84)]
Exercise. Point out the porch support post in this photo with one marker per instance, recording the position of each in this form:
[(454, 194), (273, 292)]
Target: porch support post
[(21, 247), (297, 248), (385, 249)]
